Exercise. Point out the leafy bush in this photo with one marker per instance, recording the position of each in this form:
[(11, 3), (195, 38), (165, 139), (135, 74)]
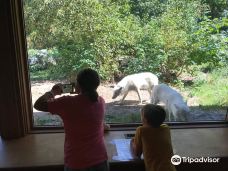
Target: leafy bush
[(209, 44), (212, 88), (166, 39), (41, 59)]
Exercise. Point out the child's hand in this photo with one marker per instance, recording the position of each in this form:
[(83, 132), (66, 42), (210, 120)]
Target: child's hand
[(132, 144), (132, 147), (134, 150)]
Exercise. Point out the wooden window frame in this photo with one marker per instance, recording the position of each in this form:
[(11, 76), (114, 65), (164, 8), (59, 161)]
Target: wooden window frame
[(15, 97)]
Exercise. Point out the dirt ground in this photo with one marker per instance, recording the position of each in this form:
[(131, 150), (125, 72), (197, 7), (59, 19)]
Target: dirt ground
[(130, 105)]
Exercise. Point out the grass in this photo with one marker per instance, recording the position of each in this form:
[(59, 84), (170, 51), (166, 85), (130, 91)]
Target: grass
[(123, 118), (212, 88), (47, 74), (39, 75), (48, 120)]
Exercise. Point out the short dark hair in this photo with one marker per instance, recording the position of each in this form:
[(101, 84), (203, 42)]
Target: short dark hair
[(88, 80), (154, 114)]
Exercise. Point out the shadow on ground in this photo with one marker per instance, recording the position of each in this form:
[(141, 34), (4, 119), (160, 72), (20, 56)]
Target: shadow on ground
[(132, 108), (129, 112)]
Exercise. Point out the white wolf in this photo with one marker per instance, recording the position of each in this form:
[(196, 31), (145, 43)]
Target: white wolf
[(136, 82), (174, 104)]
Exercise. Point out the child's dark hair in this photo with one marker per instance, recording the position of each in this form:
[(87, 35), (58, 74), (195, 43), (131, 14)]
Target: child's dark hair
[(154, 114), (88, 81)]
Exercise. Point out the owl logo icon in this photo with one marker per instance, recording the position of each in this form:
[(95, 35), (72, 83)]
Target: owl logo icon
[(176, 160)]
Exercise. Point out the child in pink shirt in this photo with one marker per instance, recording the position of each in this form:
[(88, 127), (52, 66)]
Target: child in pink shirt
[(83, 116)]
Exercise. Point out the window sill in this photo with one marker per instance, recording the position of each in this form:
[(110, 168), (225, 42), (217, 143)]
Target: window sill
[(133, 126), (39, 150)]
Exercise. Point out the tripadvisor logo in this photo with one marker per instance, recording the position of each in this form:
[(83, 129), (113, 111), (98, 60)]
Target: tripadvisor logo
[(176, 160)]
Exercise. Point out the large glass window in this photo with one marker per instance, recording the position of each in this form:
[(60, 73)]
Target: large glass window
[(183, 43)]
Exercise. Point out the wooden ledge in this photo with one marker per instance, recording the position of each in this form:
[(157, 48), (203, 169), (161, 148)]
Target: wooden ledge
[(39, 151)]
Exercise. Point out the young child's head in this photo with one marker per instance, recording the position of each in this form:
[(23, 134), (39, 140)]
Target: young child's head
[(153, 115), (87, 81)]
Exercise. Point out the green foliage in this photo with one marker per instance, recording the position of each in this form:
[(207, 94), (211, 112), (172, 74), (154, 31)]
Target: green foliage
[(209, 44), (42, 59), (147, 9), (212, 89), (163, 36), (40, 75), (217, 7), (165, 45), (86, 33), (50, 120), (123, 118)]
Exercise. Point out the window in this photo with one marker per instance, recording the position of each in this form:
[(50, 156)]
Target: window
[(185, 48)]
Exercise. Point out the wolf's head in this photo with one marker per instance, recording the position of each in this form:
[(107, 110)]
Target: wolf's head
[(117, 91)]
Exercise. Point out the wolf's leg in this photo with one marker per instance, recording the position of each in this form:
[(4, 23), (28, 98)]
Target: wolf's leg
[(183, 116), (167, 111), (139, 95), (154, 100), (125, 94), (154, 96), (150, 95), (174, 113)]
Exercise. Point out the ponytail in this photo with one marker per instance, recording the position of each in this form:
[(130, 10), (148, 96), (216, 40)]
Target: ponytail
[(93, 95), (88, 81)]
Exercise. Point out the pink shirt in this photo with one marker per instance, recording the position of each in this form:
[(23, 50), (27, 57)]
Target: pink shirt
[(83, 123)]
